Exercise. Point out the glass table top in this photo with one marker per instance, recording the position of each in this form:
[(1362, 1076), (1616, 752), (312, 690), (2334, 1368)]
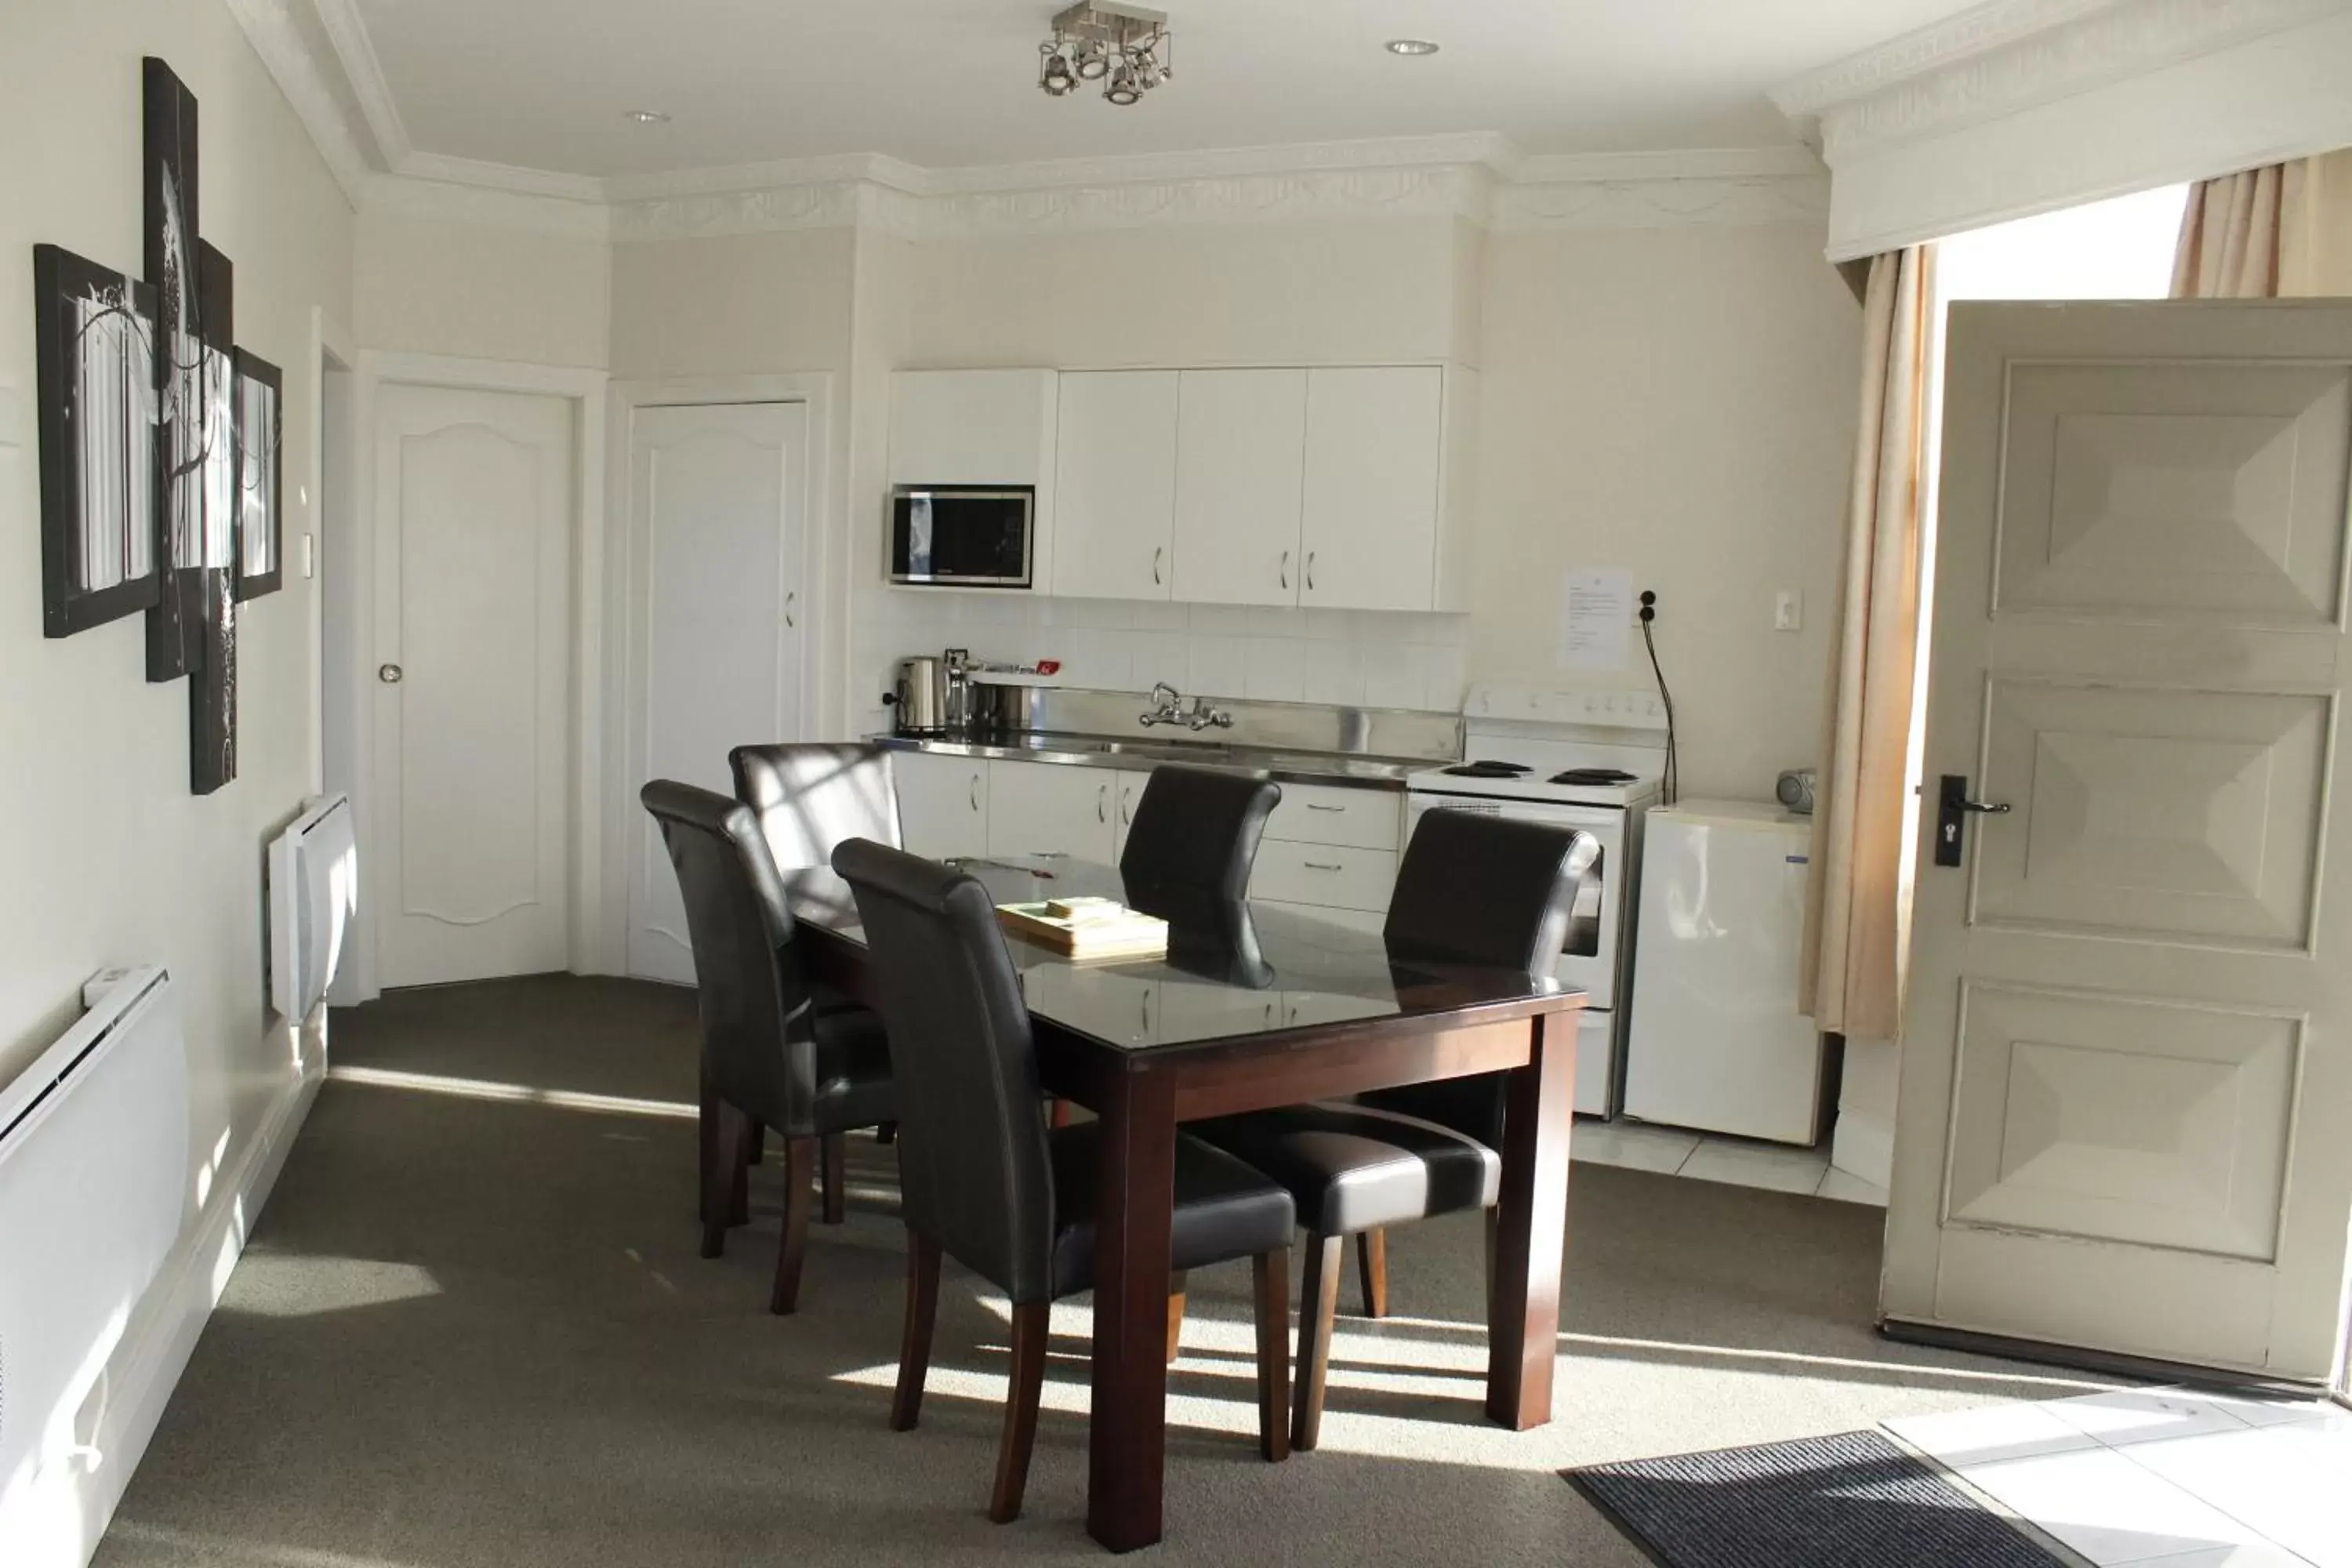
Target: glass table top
[(1231, 970)]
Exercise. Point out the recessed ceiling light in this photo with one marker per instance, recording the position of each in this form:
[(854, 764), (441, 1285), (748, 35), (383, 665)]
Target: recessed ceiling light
[(1411, 46), (647, 116)]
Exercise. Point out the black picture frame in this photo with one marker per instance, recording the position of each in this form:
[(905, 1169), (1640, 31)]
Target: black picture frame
[(261, 477), (211, 612), (93, 338), (174, 634)]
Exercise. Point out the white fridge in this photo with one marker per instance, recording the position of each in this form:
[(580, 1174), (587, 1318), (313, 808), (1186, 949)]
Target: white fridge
[(1717, 1041)]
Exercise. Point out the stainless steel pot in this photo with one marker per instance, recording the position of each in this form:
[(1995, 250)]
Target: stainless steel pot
[(999, 712), (919, 698)]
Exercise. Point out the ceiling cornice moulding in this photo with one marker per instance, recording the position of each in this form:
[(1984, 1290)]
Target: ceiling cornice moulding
[(2013, 55), (347, 35), (270, 27)]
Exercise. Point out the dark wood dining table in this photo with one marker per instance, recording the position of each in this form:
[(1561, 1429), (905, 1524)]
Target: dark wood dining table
[(1255, 1006)]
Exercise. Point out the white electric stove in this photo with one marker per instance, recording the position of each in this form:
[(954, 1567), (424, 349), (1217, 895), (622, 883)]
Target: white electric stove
[(1586, 759)]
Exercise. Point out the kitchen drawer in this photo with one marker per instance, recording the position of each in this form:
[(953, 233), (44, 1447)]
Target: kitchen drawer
[(1334, 814), (1328, 876)]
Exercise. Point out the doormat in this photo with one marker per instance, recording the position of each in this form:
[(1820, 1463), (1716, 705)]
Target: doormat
[(1854, 1500)]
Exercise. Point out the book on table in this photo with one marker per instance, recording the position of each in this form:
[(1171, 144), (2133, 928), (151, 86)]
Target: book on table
[(1086, 927)]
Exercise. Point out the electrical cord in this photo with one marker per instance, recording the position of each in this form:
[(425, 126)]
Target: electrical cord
[(1670, 787)]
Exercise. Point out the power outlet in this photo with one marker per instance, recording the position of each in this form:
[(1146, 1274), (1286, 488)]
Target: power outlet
[(1788, 611)]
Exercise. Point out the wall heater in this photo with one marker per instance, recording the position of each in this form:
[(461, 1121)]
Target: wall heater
[(314, 893), (94, 1175)]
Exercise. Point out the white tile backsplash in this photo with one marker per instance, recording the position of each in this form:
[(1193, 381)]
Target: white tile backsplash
[(1273, 653)]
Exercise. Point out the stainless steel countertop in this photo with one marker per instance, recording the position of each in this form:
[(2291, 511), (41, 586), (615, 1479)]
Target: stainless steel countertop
[(1105, 751)]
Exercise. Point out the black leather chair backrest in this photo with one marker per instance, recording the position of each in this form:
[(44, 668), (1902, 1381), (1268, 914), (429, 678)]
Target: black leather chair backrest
[(1485, 891), (1197, 829), (811, 797), (755, 1037), (973, 1166)]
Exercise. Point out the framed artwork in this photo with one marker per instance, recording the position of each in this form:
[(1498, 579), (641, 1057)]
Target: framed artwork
[(210, 612), (170, 160), (94, 347), (260, 476)]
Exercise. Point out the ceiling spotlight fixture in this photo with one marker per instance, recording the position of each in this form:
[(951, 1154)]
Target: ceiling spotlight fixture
[(647, 116), (1125, 48), (1411, 46)]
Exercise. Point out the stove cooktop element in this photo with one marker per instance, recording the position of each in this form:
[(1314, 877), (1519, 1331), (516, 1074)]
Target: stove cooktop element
[(1561, 748), (1488, 770), (1592, 776)]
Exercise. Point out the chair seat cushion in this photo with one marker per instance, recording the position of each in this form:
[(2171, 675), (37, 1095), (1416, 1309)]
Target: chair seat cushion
[(854, 1088), (1224, 1209), (1353, 1168)]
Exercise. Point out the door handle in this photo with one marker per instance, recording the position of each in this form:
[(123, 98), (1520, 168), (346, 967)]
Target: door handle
[(791, 601), (1284, 570), (1953, 807), (1310, 571), (1157, 552), (388, 673)]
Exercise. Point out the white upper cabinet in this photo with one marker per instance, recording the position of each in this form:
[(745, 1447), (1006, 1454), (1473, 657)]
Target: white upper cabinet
[(1241, 442), (1116, 495), (1374, 461), (973, 426)]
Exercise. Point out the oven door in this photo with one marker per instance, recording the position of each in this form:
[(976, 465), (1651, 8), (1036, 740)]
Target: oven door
[(944, 536), (1590, 961)]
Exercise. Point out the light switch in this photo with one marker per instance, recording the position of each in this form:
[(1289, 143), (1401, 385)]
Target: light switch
[(309, 555), (1788, 611)]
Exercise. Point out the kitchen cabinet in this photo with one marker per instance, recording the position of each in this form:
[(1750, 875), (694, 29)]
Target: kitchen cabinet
[(1370, 504), (943, 803), (1129, 794), (1331, 875), (1335, 814), (1115, 494), (984, 428), (1051, 809), (1241, 445)]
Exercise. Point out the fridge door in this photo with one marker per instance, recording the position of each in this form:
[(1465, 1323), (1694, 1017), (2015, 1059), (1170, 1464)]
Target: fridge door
[(1717, 1042)]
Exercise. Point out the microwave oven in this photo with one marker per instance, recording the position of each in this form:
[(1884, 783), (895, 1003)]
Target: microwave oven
[(962, 536)]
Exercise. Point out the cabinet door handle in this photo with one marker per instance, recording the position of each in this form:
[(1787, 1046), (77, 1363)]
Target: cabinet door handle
[(1284, 571), (975, 791), (1313, 805), (1325, 866), (1310, 571), (1146, 1012), (791, 601), (1269, 1012), (1157, 554), (1102, 802)]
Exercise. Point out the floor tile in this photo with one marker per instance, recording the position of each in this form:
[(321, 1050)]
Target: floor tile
[(2126, 1416), (1961, 1438), (2290, 1484), (2268, 1410), (1633, 1145), (1847, 1187), (1757, 1165), (2106, 1507)]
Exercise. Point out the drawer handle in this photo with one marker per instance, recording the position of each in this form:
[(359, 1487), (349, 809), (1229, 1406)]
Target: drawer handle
[(1325, 866), (1312, 806), (1102, 802)]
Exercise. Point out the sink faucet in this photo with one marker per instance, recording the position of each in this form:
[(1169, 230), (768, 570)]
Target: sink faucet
[(1204, 717), (1167, 707)]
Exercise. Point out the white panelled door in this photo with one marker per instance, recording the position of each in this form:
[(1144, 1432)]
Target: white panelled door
[(2125, 1117), (718, 513), (473, 627)]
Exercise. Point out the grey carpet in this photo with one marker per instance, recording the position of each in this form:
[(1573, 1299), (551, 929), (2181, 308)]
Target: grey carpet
[(1850, 1501), (474, 1331)]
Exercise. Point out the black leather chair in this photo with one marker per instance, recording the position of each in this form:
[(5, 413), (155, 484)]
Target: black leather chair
[(1196, 831), (983, 1179), (1473, 889), (767, 1054), (809, 798)]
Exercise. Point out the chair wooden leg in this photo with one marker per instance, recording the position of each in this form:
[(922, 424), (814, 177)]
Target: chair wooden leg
[(755, 1148), (1494, 1239), (887, 1133), (1319, 1303), (1029, 1326), (722, 1169), (1175, 1312), (836, 1177), (800, 1196), (1057, 1112), (1372, 1269), (1271, 1272), (706, 1150), (915, 1344)]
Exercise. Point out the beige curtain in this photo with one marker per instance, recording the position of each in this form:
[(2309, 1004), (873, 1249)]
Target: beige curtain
[(1850, 981), (2284, 231)]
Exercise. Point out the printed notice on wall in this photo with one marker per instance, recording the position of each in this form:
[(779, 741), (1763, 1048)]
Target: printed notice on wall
[(1596, 613)]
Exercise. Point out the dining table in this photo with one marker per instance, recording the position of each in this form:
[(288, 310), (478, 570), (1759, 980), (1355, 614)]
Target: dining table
[(1252, 1006)]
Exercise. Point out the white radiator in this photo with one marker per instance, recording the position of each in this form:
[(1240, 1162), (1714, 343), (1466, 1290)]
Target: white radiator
[(314, 893), (94, 1173)]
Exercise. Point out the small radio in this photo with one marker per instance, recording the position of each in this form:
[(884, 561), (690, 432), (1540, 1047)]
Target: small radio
[(1794, 791)]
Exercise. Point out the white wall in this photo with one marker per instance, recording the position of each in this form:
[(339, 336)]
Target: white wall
[(108, 859), (1680, 402), (438, 285)]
